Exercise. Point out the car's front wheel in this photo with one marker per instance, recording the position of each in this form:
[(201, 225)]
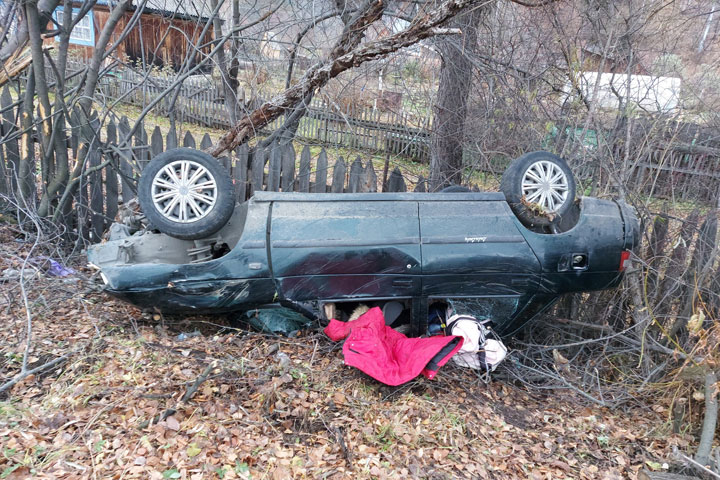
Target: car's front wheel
[(539, 187), (186, 194)]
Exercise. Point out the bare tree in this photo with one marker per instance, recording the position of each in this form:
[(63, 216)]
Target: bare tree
[(456, 79)]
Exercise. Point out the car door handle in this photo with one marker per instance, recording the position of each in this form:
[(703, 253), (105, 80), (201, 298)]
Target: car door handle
[(402, 283)]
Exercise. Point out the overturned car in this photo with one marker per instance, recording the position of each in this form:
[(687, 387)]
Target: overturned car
[(512, 252)]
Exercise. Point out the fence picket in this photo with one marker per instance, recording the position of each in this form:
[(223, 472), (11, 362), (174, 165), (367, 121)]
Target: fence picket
[(142, 149), (156, 142), (206, 142), (81, 195), (127, 176), (339, 173), (304, 173), (188, 140), (287, 179), (171, 140), (240, 172), (321, 171), (370, 178), (273, 182), (97, 218), (111, 178), (356, 173), (258, 167), (396, 183)]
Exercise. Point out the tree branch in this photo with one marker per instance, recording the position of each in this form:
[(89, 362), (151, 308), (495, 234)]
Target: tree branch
[(21, 36), (341, 59)]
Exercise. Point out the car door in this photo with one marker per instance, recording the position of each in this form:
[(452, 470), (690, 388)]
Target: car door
[(336, 247), (472, 247)]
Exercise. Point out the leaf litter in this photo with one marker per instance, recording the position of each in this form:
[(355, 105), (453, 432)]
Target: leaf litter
[(258, 415)]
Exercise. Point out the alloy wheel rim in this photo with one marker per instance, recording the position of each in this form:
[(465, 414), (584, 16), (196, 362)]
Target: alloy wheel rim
[(184, 191), (545, 184)]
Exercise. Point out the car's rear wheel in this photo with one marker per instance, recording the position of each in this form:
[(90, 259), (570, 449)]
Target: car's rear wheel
[(539, 187), (186, 194)]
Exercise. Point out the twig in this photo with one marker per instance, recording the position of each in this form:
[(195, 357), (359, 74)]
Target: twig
[(341, 440), (693, 463), (26, 373), (188, 395)]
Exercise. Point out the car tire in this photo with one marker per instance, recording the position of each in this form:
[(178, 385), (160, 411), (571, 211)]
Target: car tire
[(539, 187), (455, 189), (186, 194)]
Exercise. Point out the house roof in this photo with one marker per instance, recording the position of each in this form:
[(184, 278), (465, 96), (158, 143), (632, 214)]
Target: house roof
[(180, 9), (192, 9)]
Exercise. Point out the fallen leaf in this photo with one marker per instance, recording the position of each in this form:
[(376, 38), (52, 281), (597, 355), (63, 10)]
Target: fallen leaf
[(193, 450), (172, 423)]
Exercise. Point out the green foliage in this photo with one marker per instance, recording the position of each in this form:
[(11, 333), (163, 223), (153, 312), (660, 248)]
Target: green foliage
[(241, 468)]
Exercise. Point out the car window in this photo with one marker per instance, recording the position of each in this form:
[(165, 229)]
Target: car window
[(495, 309)]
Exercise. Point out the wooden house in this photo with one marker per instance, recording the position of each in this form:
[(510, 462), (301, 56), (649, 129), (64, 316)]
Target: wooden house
[(162, 36)]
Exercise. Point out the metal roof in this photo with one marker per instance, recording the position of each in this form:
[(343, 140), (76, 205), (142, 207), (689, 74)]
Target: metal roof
[(181, 9), (193, 9)]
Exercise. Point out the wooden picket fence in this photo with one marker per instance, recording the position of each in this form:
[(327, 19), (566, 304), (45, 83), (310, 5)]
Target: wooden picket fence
[(680, 173), (114, 164), (201, 103)]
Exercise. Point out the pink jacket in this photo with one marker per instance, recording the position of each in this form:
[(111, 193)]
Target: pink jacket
[(387, 355)]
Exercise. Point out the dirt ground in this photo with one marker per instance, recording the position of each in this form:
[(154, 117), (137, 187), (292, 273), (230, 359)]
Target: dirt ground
[(268, 407)]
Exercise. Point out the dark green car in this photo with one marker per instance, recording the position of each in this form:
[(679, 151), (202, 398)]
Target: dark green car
[(311, 249)]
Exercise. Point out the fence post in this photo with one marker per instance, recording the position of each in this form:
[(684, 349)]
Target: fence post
[(156, 143)]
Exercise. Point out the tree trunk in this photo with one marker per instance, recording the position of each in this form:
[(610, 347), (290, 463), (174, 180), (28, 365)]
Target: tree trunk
[(33, 21), (26, 172), (446, 150), (228, 92)]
